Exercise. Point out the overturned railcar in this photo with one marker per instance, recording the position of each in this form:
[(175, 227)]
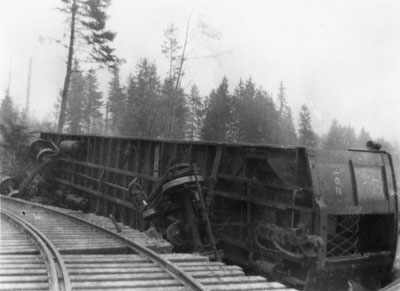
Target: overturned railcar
[(314, 219)]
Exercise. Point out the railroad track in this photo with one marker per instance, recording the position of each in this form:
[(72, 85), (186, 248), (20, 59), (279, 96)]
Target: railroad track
[(44, 267), (43, 248)]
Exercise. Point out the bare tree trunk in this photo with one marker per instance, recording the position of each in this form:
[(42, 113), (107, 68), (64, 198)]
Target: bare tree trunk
[(106, 127), (178, 79), (67, 80), (88, 126), (183, 56)]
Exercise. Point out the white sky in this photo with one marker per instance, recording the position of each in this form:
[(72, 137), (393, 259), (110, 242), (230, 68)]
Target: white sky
[(342, 58)]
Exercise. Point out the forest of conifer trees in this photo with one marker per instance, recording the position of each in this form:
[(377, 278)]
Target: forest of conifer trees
[(155, 104), (144, 105)]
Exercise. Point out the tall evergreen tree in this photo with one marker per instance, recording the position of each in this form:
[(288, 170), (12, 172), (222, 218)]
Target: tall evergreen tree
[(350, 137), (127, 125), (8, 111), (174, 108), (144, 102), (75, 106), (177, 56), (250, 117), (115, 105), (234, 127), (282, 102), (306, 134), (15, 135), (247, 115), (173, 95), (335, 138), (268, 117), (218, 113), (363, 138), (287, 129), (93, 102), (195, 114), (170, 48), (87, 19)]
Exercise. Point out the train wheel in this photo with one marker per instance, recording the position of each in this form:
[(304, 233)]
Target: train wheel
[(39, 145), (151, 214), (178, 182), (44, 153), (8, 186)]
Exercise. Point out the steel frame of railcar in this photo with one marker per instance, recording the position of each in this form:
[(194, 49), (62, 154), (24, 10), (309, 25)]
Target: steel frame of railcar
[(362, 187), (250, 183)]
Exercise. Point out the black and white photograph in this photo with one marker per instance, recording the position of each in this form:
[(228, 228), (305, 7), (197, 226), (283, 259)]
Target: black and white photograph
[(206, 145)]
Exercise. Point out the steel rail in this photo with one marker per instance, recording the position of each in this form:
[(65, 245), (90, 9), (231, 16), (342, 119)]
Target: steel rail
[(177, 273), (48, 251)]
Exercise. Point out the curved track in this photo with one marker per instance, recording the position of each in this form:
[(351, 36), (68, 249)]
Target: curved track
[(32, 241), (84, 231), (97, 258)]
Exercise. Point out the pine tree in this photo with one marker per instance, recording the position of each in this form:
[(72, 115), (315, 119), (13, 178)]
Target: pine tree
[(143, 102), (148, 100), (268, 123), (93, 102), (234, 127), (173, 97), (287, 129), (195, 114), (178, 56), (175, 109), (363, 138), (75, 106), (127, 125), (170, 48), (115, 104), (217, 119), (334, 139), (350, 137), (340, 137), (87, 19), (282, 102), (14, 136), (306, 134), (8, 111), (246, 114), (249, 115)]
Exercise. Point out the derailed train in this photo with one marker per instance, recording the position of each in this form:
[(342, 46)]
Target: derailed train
[(313, 219)]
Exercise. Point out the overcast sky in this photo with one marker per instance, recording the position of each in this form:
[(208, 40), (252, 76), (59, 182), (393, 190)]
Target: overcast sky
[(341, 58)]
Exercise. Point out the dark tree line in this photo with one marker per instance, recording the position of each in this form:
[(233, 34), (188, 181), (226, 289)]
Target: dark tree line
[(144, 107), (88, 38), (84, 104), (249, 114), (341, 137), (147, 105), (14, 135)]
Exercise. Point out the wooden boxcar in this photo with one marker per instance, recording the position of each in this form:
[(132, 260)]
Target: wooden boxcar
[(315, 219)]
